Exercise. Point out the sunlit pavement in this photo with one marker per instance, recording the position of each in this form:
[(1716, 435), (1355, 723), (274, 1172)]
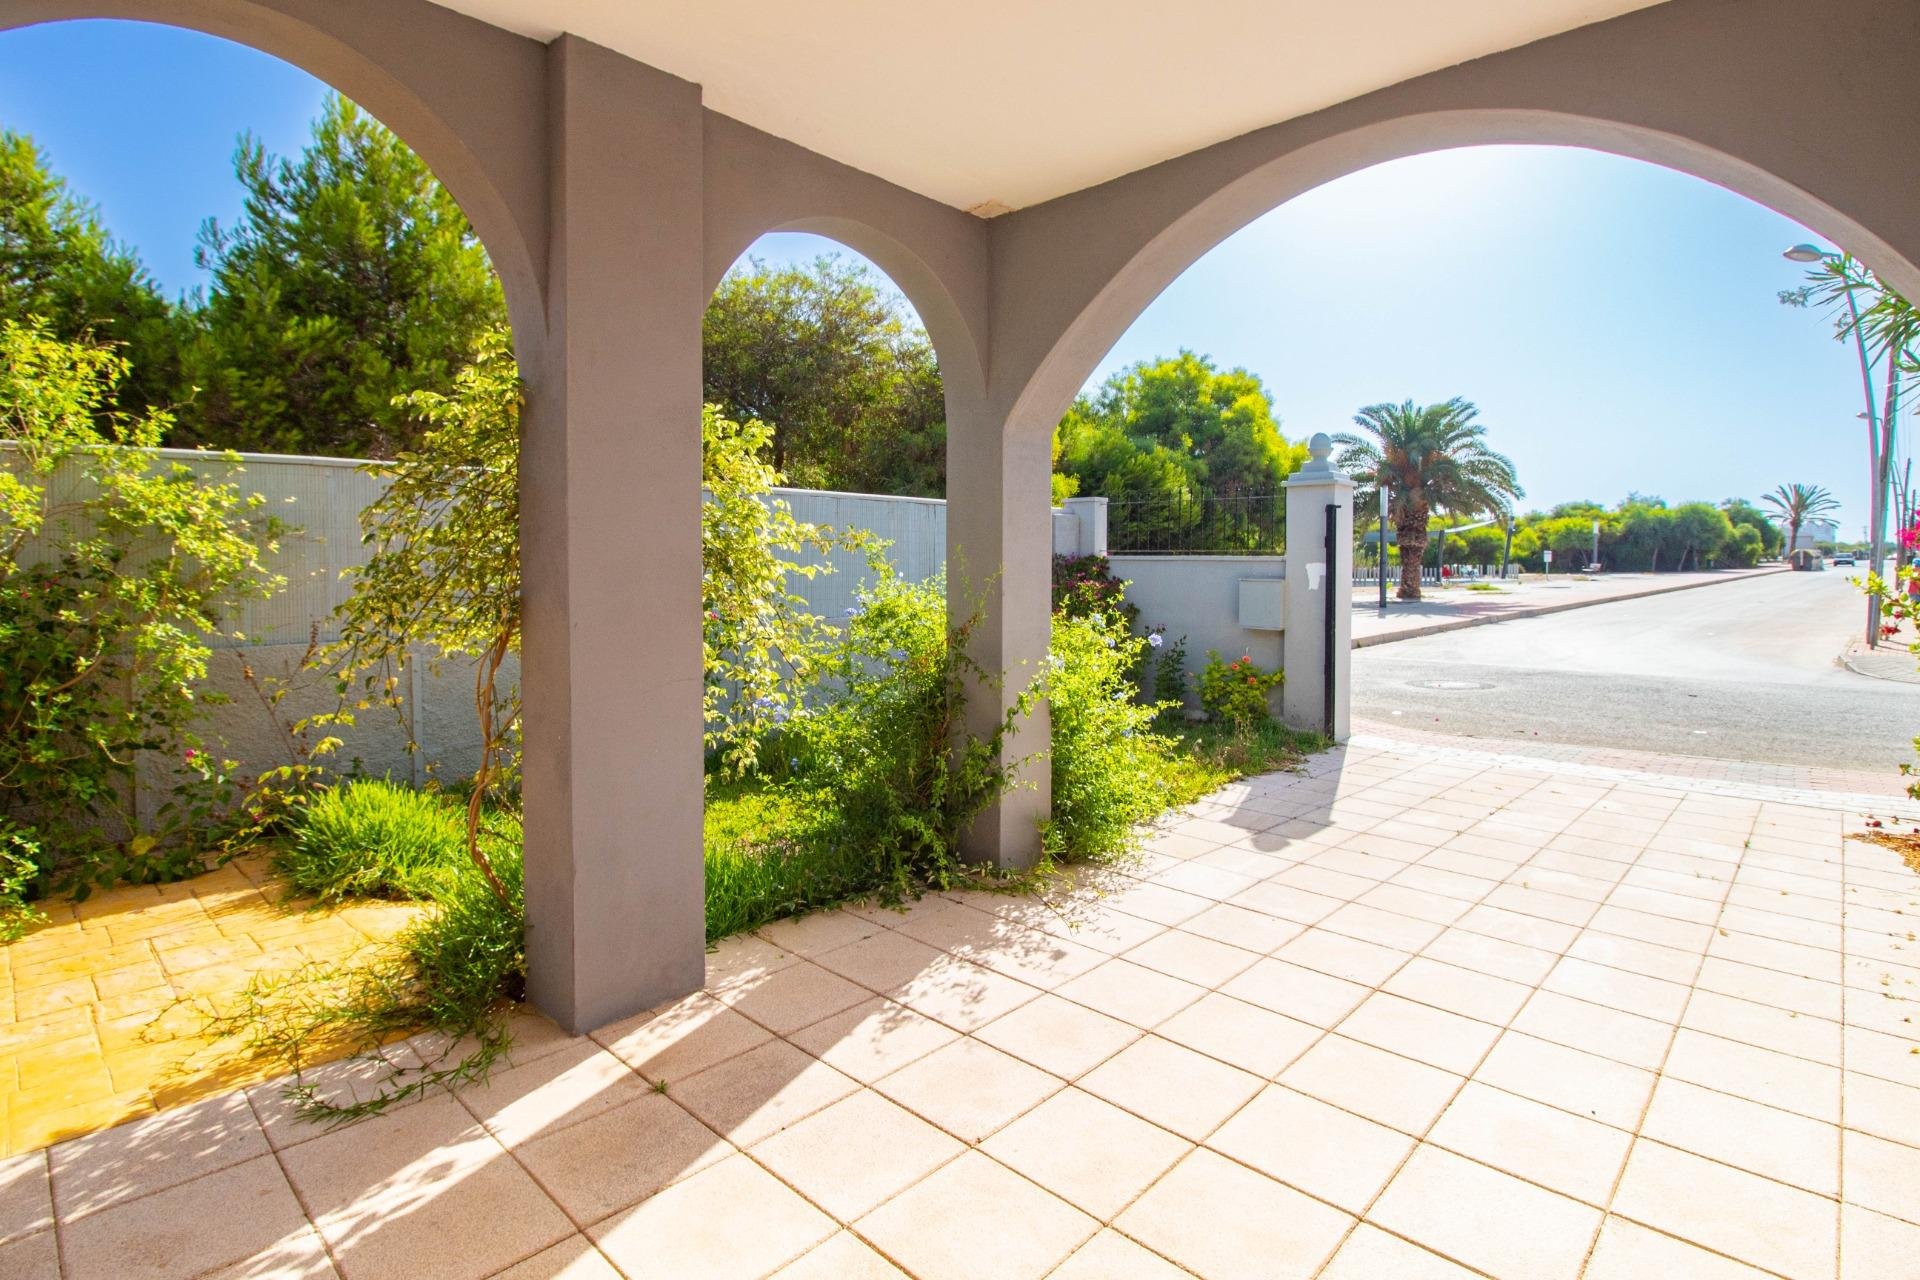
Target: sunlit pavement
[(1420, 1010)]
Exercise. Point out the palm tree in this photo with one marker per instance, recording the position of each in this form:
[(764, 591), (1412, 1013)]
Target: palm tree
[(1797, 504), (1432, 458)]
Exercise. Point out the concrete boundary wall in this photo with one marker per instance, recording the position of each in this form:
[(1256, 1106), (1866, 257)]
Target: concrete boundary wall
[(1200, 598)]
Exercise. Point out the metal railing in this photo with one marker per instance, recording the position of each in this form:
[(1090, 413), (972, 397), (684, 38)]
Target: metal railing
[(1198, 524), (1366, 574)]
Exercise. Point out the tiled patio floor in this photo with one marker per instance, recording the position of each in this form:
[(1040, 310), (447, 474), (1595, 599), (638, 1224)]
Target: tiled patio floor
[(1418, 1012), (105, 1002)]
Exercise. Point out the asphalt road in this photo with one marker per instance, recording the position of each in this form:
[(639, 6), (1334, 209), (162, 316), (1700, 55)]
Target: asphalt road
[(1742, 670)]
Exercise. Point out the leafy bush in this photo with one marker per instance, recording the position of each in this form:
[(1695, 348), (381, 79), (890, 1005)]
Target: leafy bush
[(375, 838), (1110, 770), (886, 737), (20, 862), (1235, 693), (1168, 670), (1085, 585), (771, 851), (114, 570)]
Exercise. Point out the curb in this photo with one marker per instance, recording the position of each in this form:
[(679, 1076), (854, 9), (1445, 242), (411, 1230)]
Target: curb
[(1461, 624), (1857, 658)]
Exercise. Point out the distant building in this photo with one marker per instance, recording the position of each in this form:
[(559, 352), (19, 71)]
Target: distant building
[(1814, 532)]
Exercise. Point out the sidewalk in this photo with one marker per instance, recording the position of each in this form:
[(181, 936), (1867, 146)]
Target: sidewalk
[(1452, 607)]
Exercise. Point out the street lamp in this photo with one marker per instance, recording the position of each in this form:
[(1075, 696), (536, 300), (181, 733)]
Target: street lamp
[(1810, 253)]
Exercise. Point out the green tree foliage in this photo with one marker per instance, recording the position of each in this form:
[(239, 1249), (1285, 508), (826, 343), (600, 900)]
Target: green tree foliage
[(1433, 458), (351, 280), (1742, 512), (827, 357), (58, 263), (1175, 428), (115, 571)]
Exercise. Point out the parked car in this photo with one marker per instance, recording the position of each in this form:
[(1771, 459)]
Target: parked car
[(1843, 557)]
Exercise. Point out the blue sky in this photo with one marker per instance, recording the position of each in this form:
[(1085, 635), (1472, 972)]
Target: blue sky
[(1615, 322)]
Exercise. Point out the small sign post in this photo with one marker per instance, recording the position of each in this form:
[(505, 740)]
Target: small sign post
[(1546, 557)]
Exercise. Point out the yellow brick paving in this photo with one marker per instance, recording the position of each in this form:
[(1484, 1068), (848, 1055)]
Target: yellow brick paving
[(103, 1007)]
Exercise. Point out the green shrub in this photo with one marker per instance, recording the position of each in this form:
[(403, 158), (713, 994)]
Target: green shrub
[(114, 571), (885, 735), (1110, 769), (1085, 585), (1167, 662), (371, 837), (770, 851), (20, 863), (1235, 693)]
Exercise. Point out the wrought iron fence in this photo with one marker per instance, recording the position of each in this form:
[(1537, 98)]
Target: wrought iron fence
[(1199, 524)]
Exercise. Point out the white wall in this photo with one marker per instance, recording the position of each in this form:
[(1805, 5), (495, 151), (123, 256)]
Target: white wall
[(1199, 597)]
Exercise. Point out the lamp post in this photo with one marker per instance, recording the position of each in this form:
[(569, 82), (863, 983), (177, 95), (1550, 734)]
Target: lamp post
[(1381, 559), (1876, 447)]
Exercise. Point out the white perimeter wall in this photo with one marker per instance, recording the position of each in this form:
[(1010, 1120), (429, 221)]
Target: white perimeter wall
[(1198, 597)]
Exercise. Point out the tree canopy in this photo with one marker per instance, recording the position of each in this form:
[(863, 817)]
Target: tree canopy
[(827, 355), (58, 263), (351, 279), (1176, 427)]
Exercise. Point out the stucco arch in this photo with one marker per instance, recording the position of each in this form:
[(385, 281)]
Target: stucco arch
[(1735, 94), (937, 256), (478, 120)]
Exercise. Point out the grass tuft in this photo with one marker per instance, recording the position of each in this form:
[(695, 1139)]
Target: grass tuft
[(373, 838)]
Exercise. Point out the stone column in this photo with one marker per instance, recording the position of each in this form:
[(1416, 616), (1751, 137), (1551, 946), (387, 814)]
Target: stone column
[(1316, 576), (610, 545), (1000, 572)]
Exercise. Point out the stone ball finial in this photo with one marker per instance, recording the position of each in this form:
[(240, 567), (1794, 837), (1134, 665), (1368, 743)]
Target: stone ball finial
[(1320, 447)]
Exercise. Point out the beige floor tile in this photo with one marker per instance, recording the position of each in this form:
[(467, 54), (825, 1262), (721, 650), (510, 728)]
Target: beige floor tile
[(574, 1258), (1464, 991), (1779, 1080), (1748, 1135), (1059, 1036), (1882, 1108), (26, 1201), (1381, 1086), (855, 1154), (937, 1230), (1087, 1151), (1240, 1034), (873, 1038), (1479, 1216), (883, 962), (1382, 926), (1191, 958), (679, 1039), (621, 1157), (969, 1089), (1783, 1031), (1111, 1256), (1407, 900), (34, 1256), (1320, 1149), (1729, 1211), (1223, 1221), (761, 1092), (1629, 1251), (742, 958), (842, 1257), (809, 935), (1497, 957), (1624, 1037), (1644, 926), (1630, 992), (1875, 1247), (150, 1155), (1883, 1176), (1172, 1086), (1560, 1151), (1571, 1079), (1242, 927), (793, 997), (1434, 1036), (186, 1230), (733, 1221), (1158, 903), (552, 1093), (1515, 927), (1132, 993), (1287, 902), (961, 995), (1339, 956), (1891, 1058), (1372, 1254), (1302, 994)]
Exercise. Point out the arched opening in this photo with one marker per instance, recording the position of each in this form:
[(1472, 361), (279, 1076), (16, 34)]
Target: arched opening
[(1620, 320)]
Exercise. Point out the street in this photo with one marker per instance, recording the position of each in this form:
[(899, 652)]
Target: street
[(1742, 670)]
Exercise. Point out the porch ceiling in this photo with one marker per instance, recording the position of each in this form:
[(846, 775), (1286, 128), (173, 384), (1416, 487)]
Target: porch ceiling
[(995, 104)]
